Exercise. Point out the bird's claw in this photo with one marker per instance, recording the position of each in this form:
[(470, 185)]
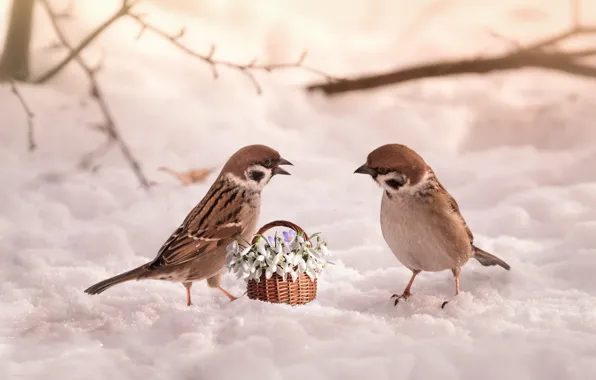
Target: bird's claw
[(444, 304), (398, 297), (235, 298)]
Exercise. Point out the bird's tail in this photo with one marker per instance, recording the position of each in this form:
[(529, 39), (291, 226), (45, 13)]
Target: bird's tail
[(106, 284), (488, 259)]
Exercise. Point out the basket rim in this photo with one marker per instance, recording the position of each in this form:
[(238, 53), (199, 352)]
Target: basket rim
[(278, 223), (288, 278)]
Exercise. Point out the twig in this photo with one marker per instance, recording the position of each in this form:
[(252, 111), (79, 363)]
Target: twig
[(102, 149), (30, 115), (75, 51), (541, 54), (114, 136), (125, 10), (247, 69)]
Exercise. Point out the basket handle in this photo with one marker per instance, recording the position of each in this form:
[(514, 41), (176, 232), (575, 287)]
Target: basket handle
[(279, 223)]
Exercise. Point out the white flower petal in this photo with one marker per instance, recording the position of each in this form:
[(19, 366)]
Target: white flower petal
[(294, 275), (302, 264), (233, 246), (261, 249), (280, 271), (245, 251)]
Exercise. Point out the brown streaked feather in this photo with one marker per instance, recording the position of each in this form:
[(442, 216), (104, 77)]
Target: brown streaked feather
[(208, 226), (454, 207)]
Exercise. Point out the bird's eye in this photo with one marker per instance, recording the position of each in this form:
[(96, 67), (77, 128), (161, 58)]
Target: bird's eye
[(382, 170), (267, 163)]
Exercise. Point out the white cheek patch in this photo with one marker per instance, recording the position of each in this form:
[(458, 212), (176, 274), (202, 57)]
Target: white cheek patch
[(383, 178), (249, 184), (265, 180)]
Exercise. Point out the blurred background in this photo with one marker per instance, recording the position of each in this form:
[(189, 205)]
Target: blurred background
[(344, 39), (98, 96)]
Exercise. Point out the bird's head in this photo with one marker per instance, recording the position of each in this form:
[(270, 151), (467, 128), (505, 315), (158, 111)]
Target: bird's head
[(253, 166), (395, 167)]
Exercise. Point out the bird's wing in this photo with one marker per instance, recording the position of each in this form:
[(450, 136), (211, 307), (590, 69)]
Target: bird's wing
[(454, 207), (213, 223)]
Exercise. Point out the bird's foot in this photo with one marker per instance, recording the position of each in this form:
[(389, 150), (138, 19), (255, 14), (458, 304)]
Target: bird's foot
[(229, 295), (397, 297), (446, 302)]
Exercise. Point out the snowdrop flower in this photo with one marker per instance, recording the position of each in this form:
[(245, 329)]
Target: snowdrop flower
[(301, 264), (232, 247), (261, 249), (310, 264), (245, 251), (290, 254), (313, 253), (274, 260), (294, 275)]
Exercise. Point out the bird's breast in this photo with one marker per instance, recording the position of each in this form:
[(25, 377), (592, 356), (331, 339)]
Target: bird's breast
[(420, 238)]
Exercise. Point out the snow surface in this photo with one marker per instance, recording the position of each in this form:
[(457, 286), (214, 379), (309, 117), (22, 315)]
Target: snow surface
[(517, 151)]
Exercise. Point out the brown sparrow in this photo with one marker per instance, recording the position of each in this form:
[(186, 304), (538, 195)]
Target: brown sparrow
[(229, 210), (420, 221)]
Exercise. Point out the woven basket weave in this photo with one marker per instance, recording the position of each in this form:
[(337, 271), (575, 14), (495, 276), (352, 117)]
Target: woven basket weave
[(275, 289)]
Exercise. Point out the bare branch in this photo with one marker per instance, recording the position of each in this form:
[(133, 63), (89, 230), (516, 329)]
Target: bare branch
[(247, 69), (30, 115), (112, 131), (75, 51), (541, 54), (87, 161)]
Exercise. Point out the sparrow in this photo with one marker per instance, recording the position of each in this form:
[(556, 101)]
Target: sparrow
[(229, 211), (420, 220)]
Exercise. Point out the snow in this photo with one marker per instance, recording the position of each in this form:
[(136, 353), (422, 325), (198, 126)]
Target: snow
[(516, 151)]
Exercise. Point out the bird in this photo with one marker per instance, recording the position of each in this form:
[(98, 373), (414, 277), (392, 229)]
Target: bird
[(229, 212), (420, 221)]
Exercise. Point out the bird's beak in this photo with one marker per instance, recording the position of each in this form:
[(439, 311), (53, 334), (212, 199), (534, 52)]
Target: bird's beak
[(278, 170), (364, 170)]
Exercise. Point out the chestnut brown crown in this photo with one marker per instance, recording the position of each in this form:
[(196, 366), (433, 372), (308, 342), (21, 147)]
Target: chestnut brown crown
[(394, 158), (252, 155)]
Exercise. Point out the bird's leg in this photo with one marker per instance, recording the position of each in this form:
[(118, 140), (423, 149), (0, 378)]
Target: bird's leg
[(406, 292), (214, 282), (187, 285), (456, 273), (228, 294)]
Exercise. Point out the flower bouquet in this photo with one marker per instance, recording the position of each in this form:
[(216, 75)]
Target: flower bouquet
[(280, 269)]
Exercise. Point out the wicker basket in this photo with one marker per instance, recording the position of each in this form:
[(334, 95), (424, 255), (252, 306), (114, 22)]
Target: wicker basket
[(275, 289)]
